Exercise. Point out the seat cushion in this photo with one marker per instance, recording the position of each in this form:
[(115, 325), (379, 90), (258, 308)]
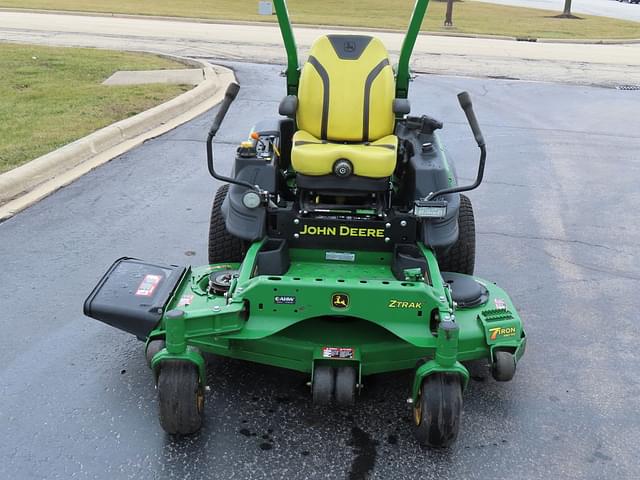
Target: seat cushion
[(312, 156)]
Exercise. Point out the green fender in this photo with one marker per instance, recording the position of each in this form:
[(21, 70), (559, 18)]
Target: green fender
[(191, 354), (431, 367)]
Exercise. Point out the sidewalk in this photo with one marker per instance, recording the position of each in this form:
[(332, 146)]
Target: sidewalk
[(588, 64), (34, 180)]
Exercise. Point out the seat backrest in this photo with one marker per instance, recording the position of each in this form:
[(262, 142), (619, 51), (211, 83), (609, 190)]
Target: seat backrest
[(346, 90)]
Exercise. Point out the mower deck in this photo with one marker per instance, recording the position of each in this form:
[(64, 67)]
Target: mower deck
[(305, 316)]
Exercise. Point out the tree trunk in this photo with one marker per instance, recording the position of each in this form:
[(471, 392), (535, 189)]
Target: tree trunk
[(567, 8), (448, 20)]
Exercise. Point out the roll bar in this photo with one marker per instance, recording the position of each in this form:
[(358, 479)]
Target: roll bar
[(293, 67), (403, 73)]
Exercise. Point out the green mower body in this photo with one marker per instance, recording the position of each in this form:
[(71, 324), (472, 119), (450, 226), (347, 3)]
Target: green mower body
[(332, 312), (334, 251)]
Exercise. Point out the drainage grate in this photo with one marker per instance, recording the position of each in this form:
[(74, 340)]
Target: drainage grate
[(627, 87)]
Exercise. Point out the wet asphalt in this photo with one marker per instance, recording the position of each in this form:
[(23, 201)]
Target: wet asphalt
[(557, 220)]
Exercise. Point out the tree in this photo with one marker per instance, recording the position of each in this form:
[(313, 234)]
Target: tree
[(566, 13), (448, 19)]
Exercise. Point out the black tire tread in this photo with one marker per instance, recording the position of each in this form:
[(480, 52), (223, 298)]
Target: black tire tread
[(178, 388), (461, 256), (223, 247), (441, 398), (345, 390), (153, 347), (323, 385), (504, 366)]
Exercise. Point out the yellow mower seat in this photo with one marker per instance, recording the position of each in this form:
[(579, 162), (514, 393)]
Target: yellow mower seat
[(374, 159), (345, 108)]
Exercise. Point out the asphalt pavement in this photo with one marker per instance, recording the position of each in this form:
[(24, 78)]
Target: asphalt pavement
[(557, 227)]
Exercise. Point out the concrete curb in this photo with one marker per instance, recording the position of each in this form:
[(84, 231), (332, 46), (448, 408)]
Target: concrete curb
[(25, 185), (212, 21)]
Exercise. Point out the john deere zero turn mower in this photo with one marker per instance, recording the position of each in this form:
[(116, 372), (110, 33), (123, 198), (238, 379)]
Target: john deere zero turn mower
[(340, 246)]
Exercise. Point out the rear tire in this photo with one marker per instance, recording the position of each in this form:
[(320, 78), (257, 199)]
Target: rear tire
[(461, 257), (223, 247), (181, 398), (437, 412)]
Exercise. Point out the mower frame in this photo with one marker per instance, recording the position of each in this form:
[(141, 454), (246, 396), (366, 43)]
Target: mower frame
[(338, 292)]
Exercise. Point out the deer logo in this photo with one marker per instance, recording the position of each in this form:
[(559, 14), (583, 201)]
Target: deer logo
[(340, 300)]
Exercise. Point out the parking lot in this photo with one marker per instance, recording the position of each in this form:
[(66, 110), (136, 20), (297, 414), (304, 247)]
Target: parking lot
[(556, 227)]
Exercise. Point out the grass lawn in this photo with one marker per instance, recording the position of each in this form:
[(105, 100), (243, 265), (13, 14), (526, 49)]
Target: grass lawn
[(52, 96), (469, 16)]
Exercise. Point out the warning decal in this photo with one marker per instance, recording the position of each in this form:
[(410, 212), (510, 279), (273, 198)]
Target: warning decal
[(148, 285), (185, 300), (337, 352)]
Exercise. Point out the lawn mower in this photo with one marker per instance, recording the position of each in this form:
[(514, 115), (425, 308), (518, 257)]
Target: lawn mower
[(340, 246)]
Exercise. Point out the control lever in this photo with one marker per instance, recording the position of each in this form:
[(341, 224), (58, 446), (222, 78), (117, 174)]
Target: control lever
[(229, 96), (465, 102)]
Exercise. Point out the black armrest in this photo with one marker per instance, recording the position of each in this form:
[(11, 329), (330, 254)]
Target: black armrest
[(288, 106), (401, 106)]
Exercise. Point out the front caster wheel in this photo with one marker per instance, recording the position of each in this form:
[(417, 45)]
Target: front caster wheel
[(322, 385), (436, 414), (153, 347), (181, 398), (504, 366), (346, 380)]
